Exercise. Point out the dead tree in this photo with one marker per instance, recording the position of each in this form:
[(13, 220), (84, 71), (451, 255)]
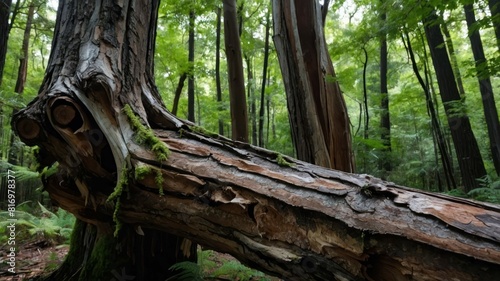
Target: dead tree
[(126, 165)]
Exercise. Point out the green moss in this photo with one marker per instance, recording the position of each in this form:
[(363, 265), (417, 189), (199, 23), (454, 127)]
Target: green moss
[(144, 135), (159, 181), (116, 195), (141, 172), (282, 162), (203, 131)]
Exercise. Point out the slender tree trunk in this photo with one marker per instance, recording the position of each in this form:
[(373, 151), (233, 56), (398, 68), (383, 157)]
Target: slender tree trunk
[(4, 33), (15, 152), (468, 154), (264, 81), (324, 11), (488, 98), (217, 71), (494, 6), (191, 96), (23, 60), (436, 128), (318, 116), (238, 104), (385, 121), (366, 127), (454, 60), (251, 97), (178, 92)]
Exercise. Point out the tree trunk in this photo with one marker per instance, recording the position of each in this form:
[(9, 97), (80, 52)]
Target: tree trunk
[(178, 92), (487, 96), (468, 154), (238, 104), (95, 115), (494, 6), (454, 60), (191, 67), (318, 116), (264, 81), (4, 33), (102, 59), (217, 71), (436, 127), (385, 121)]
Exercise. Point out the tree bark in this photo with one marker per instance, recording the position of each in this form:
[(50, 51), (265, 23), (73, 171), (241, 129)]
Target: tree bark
[(264, 80), (236, 80), (494, 6), (468, 154), (191, 67), (126, 163), (4, 33), (485, 87), (318, 116), (217, 71)]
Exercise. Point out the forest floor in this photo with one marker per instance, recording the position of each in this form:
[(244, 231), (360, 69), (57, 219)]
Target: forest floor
[(38, 258)]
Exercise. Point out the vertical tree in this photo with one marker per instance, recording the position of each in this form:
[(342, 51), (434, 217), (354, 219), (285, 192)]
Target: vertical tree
[(483, 76), (238, 105), (318, 116), (264, 80), (218, 31), (494, 6), (4, 33), (191, 65), (468, 154), (385, 122)]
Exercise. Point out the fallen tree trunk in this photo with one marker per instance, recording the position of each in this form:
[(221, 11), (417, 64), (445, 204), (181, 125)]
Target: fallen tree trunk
[(293, 219), (298, 221)]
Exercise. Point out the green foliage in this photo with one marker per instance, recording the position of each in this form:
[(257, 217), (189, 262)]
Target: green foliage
[(207, 268), (39, 223), (188, 271), (234, 270)]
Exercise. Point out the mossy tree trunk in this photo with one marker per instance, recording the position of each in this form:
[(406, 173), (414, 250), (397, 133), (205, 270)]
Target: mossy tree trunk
[(138, 179)]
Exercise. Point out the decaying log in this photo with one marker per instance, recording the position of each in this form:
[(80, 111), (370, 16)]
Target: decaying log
[(295, 220)]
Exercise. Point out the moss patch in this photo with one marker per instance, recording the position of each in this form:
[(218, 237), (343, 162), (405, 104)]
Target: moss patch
[(141, 172), (282, 162), (116, 195), (201, 130), (159, 181), (144, 135)]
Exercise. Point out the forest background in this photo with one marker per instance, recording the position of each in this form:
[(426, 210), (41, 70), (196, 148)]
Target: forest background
[(400, 133)]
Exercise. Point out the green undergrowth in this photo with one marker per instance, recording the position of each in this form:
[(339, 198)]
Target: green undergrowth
[(146, 136), (488, 192), (38, 223), (209, 267)]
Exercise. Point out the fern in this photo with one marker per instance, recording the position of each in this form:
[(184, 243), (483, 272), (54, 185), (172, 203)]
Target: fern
[(188, 271)]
